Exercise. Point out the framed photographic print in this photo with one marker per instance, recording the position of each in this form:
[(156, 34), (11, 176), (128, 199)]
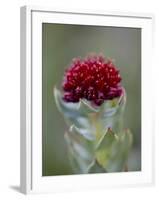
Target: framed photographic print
[(86, 112)]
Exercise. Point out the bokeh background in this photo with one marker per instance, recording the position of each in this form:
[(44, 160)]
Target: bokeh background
[(61, 43)]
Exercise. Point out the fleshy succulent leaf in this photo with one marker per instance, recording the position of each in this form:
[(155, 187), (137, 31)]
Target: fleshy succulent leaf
[(104, 147), (78, 155), (111, 107), (82, 149), (111, 113), (84, 132), (95, 167), (112, 151), (76, 114), (67, 109), (120, 151), (85, 107)]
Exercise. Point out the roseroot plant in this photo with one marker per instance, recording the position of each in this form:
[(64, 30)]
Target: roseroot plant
[(92, 102)]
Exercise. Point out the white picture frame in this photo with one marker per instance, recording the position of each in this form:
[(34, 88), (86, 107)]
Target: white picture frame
[(31, 100)]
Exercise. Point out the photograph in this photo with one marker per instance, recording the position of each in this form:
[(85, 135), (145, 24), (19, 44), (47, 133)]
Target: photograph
[(91, 99)]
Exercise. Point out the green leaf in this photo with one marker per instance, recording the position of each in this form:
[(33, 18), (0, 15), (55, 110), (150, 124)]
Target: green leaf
[(67, 109), (120, 152), (85, 107), (112, 151), (109, 108), (95, 167), (104, 146), (80, 149), (77, 155), (111, 113), (83, 141), (83, 131), (74, 113)]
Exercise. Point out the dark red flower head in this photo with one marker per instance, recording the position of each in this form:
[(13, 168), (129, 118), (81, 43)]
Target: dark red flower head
[(93, 78)]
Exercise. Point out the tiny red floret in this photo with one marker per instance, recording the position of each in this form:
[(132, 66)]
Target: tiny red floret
[(93, 78)]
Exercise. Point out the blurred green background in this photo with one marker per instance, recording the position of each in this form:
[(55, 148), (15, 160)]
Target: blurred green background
[(61, 43)]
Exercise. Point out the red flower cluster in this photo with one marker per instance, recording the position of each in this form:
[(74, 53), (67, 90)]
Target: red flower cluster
[(93, 78)]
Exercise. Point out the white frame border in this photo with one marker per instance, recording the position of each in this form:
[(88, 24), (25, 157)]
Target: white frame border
[(32, 182)]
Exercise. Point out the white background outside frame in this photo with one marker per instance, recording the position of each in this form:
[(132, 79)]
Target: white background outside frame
[(9, 102)]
